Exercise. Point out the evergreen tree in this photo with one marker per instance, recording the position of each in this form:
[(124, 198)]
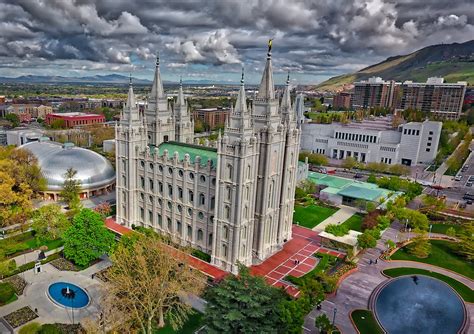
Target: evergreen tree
[(243, 304)]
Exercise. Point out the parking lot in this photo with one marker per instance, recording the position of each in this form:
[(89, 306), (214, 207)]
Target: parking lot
[(465, 177)]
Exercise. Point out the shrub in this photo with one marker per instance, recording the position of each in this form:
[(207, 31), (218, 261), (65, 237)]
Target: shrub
[(31, 328), (451, 232), (337, 230), (6, 292), (49, 329), (367, 239)]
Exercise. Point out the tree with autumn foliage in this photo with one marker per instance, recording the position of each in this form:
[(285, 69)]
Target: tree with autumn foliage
[(150, 282)]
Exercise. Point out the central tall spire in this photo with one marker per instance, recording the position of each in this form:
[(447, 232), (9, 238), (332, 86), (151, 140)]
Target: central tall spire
[(157, 91), (267, 88), (180, 101)]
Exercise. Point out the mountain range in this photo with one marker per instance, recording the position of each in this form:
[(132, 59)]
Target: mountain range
[(454, 62), (110, 78)]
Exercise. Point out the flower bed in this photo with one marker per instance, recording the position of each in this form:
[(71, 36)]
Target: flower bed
[(20, 317), (18, 283), (69, 328), (64, 265)]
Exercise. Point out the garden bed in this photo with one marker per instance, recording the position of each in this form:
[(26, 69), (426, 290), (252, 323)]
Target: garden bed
[(25, 243), (20, 316), (102, 275), (18, 283), (64, 265)]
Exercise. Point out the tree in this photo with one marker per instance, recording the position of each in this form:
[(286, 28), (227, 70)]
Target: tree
[(372, 178), (470, 117), (323, 323), (49, 222), (243, 304), (366, 240), (421, 246), (87, 238), (156, 279), (58, 124), (71, 187), (314, 158), (465, 246), (451, 232), (103, 209), (13, 119), (198, 126), (349, 163)]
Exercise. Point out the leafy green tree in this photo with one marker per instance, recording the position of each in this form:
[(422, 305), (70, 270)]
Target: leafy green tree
[(58, 124), (349, 163), (13, 119), (243, 304), (323, 323), (314, 158), (49, 222), (465, 246), (421, 246), (71, 189), (372, 178), (366, 240), (87, 239)]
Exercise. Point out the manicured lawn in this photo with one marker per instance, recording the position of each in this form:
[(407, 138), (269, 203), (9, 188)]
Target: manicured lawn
[(365, 322), (354, 222), (194, 322), (25, 241), (441, 255), (441, 228), (464, 291), (324, 263), (311, 215)]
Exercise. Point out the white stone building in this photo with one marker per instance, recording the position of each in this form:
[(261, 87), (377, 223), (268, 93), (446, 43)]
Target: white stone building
[(235, 201), (411, 144)]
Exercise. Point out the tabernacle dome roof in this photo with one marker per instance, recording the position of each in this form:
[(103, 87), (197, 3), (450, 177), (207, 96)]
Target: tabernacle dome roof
[(93, 170)]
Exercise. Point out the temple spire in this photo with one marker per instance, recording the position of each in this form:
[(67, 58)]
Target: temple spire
[(131, 95), (286, 99), (267, 87), (130, 110), (180, 101), (241, 102), (157, 91)]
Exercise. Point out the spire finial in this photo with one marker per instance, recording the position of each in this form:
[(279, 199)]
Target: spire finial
[(130, 82), (269, 53), (288, 78), (180, 80), (157, 59), (242, 79)]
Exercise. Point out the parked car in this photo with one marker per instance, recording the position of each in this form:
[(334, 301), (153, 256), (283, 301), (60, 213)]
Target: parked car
[(469, 202), (458, 178), (357, 176), (471, 179), (469, 184)]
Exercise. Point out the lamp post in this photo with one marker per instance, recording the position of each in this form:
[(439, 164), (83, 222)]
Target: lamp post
[(334, 316), (429, 233), (409, 231)]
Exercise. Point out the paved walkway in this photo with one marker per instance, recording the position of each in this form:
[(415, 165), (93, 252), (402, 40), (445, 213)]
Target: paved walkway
[(301, 247), (354, 292), (35, 294), (33, 256), (339, 217)]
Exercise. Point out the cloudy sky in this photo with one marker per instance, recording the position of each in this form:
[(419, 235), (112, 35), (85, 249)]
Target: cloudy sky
[(212, 39)]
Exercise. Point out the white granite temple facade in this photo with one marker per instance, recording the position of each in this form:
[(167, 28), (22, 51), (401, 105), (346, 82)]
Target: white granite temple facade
[(234, 202)]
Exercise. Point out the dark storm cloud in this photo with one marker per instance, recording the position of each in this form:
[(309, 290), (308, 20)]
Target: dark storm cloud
[(311, 37)]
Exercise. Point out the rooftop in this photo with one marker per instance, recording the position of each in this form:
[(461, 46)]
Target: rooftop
[(75, 114), (349, 188), (206, 153)]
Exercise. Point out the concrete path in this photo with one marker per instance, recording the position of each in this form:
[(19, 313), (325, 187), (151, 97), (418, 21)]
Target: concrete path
[(354, 292), (33, 256), (35, 294), (339, 217)]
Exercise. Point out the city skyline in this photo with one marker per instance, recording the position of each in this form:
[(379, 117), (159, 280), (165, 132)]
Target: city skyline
[(213, 41)]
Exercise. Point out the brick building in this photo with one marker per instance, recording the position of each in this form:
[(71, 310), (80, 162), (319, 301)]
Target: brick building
[(72, 119), (342, 101), (212, 117)]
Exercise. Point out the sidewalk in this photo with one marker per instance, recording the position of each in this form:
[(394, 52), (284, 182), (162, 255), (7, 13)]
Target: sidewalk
[(339, 217), (33, 256)]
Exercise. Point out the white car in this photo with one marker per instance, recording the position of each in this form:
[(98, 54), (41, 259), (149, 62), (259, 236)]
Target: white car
[(458, 178)]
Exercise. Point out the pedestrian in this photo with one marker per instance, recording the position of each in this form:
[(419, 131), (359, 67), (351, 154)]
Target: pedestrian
[(296, 262), (376, 261), (370, 261)]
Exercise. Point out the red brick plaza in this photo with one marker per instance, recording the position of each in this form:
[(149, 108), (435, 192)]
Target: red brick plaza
[(296, 258)]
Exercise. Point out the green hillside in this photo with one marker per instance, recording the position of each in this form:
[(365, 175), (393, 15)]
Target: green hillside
[(454, 62)]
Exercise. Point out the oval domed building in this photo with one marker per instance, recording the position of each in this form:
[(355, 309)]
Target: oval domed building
[(95, 172)]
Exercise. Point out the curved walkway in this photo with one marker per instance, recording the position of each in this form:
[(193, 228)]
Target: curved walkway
[(354, 292)]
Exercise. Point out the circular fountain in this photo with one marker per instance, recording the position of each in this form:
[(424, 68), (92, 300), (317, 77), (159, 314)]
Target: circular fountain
[(68, 295), (418, 304)]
